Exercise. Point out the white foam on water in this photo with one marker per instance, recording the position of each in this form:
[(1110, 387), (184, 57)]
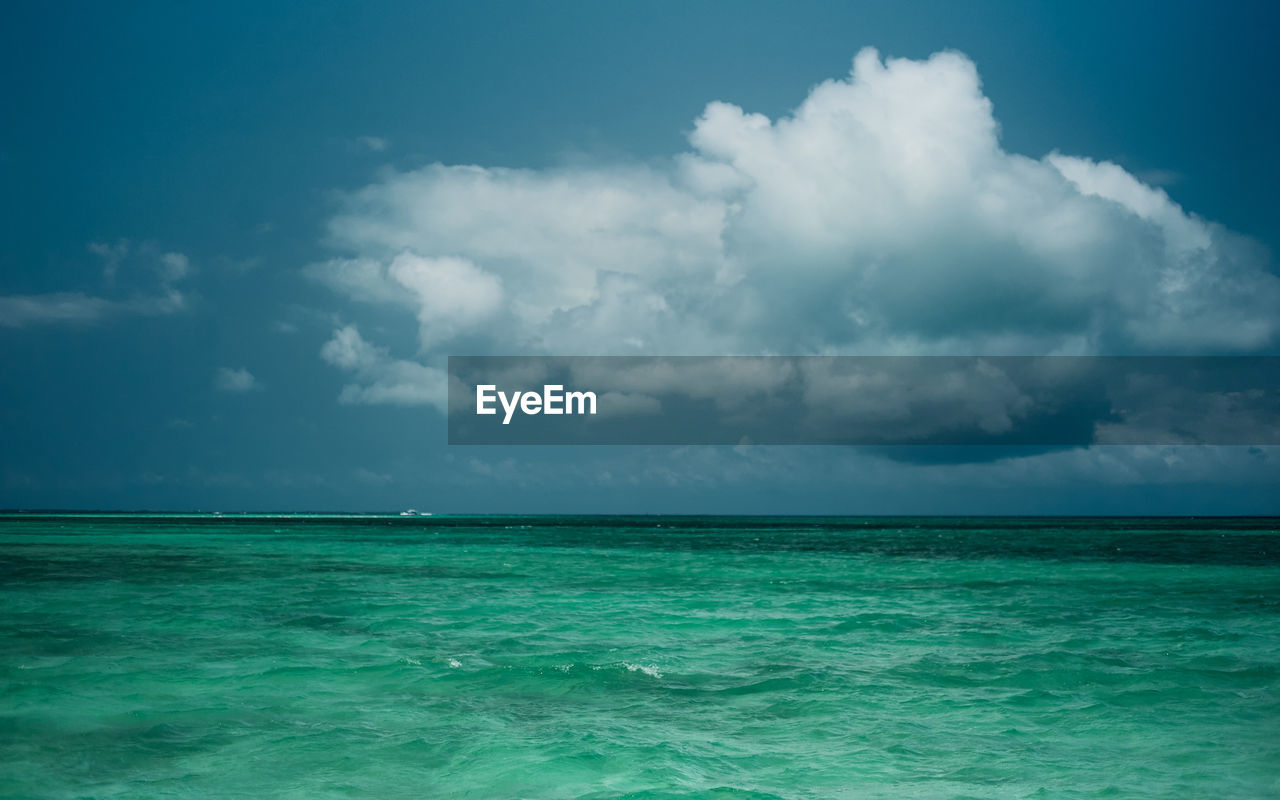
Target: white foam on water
[(647, 669)]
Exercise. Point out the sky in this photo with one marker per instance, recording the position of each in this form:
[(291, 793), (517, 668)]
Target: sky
[(240, 239)]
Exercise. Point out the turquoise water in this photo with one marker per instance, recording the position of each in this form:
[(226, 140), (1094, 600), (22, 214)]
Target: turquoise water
[(638, 657)]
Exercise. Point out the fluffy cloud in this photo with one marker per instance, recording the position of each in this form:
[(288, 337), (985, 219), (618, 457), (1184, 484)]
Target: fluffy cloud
[(236, 381), (382, 379), (450, 295), (881, 216)]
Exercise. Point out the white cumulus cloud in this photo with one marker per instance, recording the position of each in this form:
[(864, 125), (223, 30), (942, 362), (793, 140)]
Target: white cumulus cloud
[(881, 216), (236, 380), (381, 378)]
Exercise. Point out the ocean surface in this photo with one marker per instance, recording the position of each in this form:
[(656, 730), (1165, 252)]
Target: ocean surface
[(643, 657)]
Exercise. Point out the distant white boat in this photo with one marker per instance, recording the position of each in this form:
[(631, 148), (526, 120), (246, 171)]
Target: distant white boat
[(413, 512)]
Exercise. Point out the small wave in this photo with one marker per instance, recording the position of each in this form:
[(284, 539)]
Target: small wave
[(647, 669)]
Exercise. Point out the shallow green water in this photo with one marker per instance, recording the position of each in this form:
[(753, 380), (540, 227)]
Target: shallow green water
[(642, 657)]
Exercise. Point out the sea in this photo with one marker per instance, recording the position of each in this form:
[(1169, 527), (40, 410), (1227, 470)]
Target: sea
[(371, 656)]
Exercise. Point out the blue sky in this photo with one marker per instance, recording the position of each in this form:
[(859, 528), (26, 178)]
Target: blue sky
[(239, 238)]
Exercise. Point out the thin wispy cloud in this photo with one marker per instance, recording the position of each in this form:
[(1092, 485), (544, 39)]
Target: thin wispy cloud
[(372, 144), (158, 295), (76, 308)]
